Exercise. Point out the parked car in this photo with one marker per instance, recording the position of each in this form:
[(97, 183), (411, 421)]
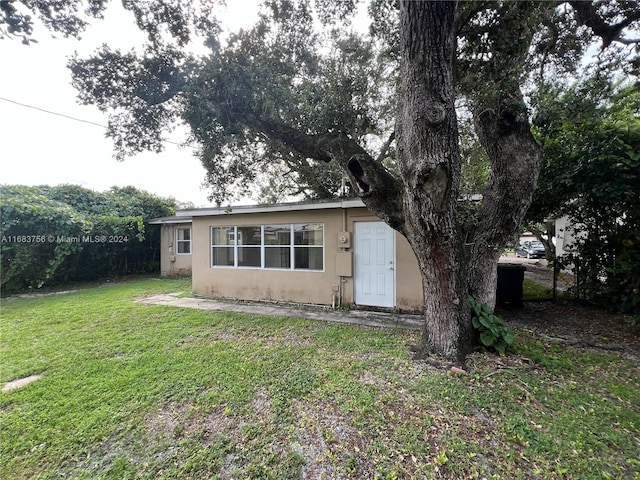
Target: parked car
[(530, 250)]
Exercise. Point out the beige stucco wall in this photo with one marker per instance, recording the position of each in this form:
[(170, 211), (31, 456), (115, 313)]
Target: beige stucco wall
[(299, 286), (172, 263)]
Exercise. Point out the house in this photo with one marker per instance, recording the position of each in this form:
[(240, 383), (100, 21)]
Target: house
[(568, 235), (175, 245), (329, 253)]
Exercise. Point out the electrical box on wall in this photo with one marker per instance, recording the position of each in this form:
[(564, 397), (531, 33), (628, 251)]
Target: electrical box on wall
[(344, 239), (344, 264)]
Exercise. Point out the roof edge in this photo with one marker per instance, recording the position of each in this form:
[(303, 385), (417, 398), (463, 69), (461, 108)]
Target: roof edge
[(277, 207), (169, 220)]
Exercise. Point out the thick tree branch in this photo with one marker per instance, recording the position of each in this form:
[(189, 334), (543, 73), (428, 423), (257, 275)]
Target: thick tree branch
[(515, 157), (385, 148), (469, 10), (375, 185), (587, 14), (515, 160), (627, 41)]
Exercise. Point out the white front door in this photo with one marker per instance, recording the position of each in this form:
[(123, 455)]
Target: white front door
[(374, 263)]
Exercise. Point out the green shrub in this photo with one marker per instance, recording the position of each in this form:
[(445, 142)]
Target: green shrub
[(67, 233), (492, 332)]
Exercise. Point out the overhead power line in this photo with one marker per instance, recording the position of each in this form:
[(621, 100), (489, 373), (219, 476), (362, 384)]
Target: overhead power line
[(69, 117)]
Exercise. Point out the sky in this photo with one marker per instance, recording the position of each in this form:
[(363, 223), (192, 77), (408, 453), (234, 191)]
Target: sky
[(39, 148)]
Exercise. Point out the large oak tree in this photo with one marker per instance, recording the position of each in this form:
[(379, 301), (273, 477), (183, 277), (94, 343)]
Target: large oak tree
[(300, 90)]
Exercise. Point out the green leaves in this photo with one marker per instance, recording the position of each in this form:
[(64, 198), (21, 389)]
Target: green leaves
[(64, 233), (493, 333), (591, 139)]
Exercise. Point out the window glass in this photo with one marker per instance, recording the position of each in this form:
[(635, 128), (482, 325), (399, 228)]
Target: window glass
[(308, 234), (223, 236), (249, 243), (222, 240), (277, 234), (184, 234), (308, 250), (249, 236), (309, 258), (222, 256), (277, 257), (249, 257)]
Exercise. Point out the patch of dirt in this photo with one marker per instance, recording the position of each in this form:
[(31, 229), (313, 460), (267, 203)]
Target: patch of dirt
[(543, 275), (21, 382), (330, 446), (261, 405), (577, 325)]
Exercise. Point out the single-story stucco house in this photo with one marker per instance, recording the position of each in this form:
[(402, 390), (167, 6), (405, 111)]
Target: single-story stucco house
[(328, 253)]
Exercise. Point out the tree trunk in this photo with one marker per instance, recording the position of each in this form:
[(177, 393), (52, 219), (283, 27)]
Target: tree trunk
[(549, 233), (483, 274), (429, 159), (503, 129)]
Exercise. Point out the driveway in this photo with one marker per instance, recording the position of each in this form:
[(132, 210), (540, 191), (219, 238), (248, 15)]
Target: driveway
[(539, 271)]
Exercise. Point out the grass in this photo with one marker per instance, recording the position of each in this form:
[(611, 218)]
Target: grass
[(534, 292), (140, 391)]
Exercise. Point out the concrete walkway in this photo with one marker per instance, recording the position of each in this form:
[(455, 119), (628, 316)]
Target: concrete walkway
[(355, 317)]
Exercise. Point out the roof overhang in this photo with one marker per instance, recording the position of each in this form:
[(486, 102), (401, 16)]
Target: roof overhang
[(170, 220), (186, 216), (278, 207)]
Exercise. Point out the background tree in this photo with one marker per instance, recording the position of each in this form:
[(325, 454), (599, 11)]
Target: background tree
[(68, 233), (591, 138), (380, 105)]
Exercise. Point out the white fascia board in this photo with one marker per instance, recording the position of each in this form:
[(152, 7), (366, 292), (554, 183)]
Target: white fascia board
[(169, 220), (280, 207)]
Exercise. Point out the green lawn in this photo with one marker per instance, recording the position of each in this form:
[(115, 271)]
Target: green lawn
[(132, 391), (534, 292)]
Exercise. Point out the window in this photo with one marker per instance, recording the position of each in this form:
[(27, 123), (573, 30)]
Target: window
[(277, 246), (309, 246), (249, 241), (222, 246), (183, 241), (298, 247)]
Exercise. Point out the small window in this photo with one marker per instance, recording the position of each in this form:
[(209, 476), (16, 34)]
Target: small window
[(183, 241)]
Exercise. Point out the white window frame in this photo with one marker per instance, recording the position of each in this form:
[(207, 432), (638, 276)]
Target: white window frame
[(232, 247), (308, 247), (178, 241), (236, 247), (232, 235)]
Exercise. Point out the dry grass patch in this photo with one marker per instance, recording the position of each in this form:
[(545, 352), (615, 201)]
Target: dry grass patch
[(328, 442)]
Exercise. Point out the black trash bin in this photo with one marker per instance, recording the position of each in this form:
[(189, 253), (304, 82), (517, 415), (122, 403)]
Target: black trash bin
[(510, 280)]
